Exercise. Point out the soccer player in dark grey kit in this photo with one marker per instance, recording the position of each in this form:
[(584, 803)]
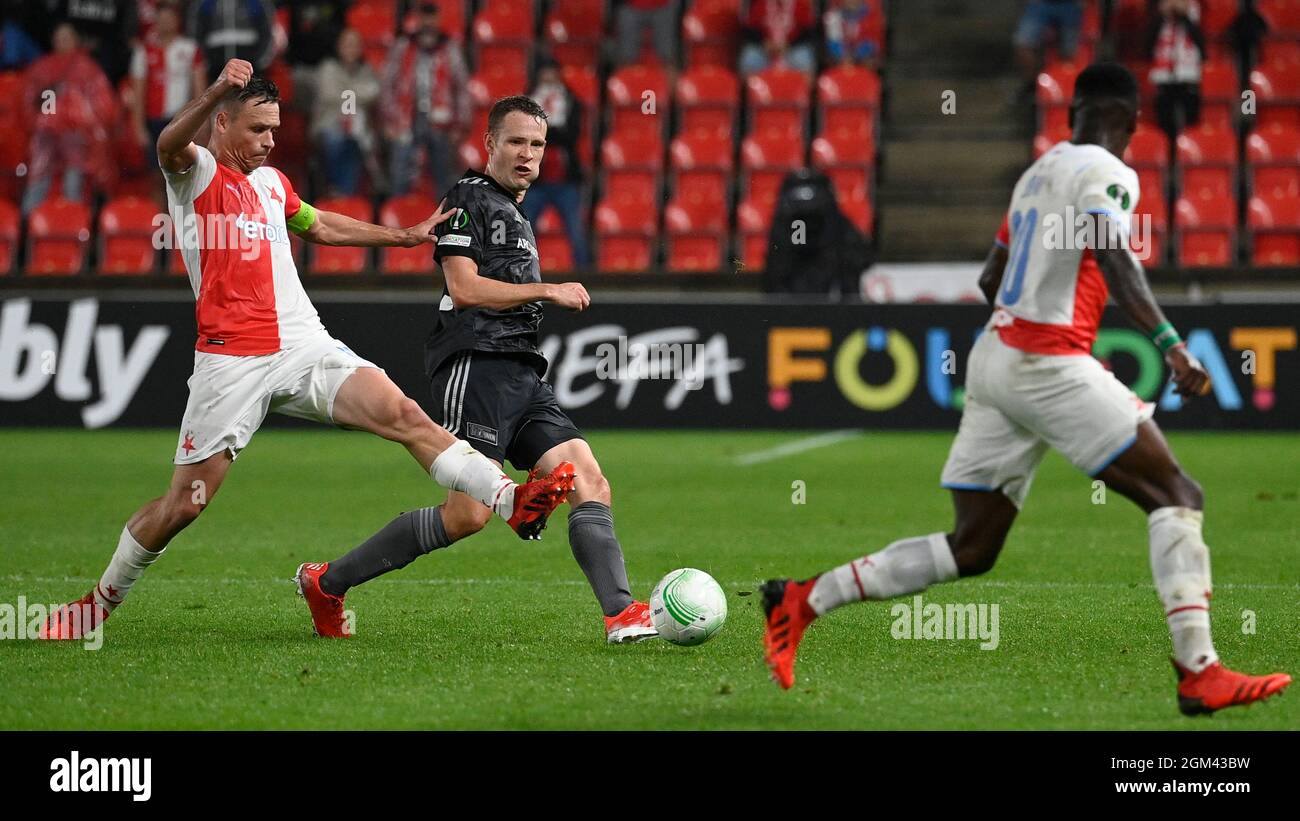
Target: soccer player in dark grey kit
[(485, 370)]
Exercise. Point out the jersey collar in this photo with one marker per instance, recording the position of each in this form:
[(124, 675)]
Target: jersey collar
[(469, 172)]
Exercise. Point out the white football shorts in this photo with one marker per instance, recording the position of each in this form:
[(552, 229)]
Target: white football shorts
[(231, 395), (1019, 403)]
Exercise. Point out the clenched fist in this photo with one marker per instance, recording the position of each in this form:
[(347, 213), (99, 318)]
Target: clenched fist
[(236, 74)]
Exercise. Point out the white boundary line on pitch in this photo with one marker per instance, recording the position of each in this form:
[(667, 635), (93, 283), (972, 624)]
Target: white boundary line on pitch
[(821, 440), (578, 582)]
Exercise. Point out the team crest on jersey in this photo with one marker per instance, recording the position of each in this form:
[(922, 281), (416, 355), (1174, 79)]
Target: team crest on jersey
[(1117, 193)]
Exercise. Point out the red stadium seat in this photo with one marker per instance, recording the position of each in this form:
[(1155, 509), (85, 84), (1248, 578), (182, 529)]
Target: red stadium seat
[(695, 253), (10, 221), (1207, 229), (1217, 16), (1056, 82), (521, 10), (859, 213), (767, 161), (376, 22), (342, 259), (1277, 90), (126, 231), (625, 217), (849, 163), (574, 30), (631, 186), (1279, 51), (778, 99), (585, 85), (624, 235), (1208, 158), (1220, 94), (1275, 182), (555, 252), (1149, 147), (402, 212), (848, 99), (633, 150), (472, 153), (753, 220), (503, 38), (1275, 230), (707, 100), (491, 84), (58, 233), (1273, 146), (621, 254), (711, 33), (702, 169), (1283, 16), (630, 91)]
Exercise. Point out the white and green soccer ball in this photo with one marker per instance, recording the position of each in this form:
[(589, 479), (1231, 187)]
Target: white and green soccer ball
[(688, 607)]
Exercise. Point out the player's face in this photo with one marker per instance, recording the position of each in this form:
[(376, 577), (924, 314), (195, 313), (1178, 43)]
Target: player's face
[(249, 133), (515, 152)]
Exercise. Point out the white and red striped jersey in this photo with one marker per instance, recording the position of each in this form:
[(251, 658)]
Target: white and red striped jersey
[(168, 72), (1052, 292), (235, 244)]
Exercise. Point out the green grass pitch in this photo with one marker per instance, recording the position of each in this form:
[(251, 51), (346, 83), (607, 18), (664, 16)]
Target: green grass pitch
[(497, 633)]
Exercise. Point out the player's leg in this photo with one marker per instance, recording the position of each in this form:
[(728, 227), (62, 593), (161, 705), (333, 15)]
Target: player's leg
[(141, 543), (368, 400), (549, 438), (1148, 474)]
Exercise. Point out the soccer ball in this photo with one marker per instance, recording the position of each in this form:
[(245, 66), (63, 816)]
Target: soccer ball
[(688, 607)]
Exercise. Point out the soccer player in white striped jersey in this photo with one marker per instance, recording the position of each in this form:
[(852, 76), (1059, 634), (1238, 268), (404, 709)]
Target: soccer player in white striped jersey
[(1032, 384), (261, 345)]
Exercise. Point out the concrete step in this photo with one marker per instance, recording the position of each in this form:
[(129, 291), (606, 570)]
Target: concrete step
[(953, 101), (939, 231), (954, 163)]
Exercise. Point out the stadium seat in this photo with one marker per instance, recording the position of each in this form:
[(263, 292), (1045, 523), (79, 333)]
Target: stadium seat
[(1150, 224), (627, 101), (343, 259), (778, 99), (711, 33), (58, 234), (401, 212), (376, 22), (696, 236), (503, 38), (1056, 82), (126, 231), (1277, 91), (10, 221), (642, 150), (1283, 16), (1217, 16), (696, 253), (471, 152), (574, 30), (621, 254), (624, 235), (491, 84), (702, 166), (859, 213), (766, 161), (848, 162), (585, 85), (1274, 182), (707, 100), (1274, 158), (554, 252), (1149, 147), (1207, 229), (1207, 157), (631, 186), (1220, 94), (1279, 51), (1274, 224), (848, 100), (521, 10)]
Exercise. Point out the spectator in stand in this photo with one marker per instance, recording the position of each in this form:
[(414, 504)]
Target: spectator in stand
[(105, 29), (425, 103), (635, 18), (1040, 18), (314, 29), (347, 88), (559, 182), (22, 34), (1176, 47), (779, 31), (167, 71), (233, 29), (849, 39), (72, 106), (1247, 30)]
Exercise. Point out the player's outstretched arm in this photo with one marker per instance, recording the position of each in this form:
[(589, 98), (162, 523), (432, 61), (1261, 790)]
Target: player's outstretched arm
[(991, 277), (329, 228), (176, 149), (469, 290), (1128, 285)]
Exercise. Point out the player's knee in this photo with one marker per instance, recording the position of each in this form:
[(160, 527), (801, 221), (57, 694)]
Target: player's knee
[(409, 419), (465, 520), (974, 553), (179, 512), (1186, 492)]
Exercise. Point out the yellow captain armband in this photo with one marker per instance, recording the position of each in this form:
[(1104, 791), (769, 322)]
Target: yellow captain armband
[(303, 220)]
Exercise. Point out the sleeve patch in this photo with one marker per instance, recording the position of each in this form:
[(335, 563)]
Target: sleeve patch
[(455, 239)]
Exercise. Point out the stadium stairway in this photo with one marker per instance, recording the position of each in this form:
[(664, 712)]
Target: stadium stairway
[(947, 177)]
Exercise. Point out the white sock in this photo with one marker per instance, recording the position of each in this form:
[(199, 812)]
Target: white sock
[(462, 468), (906, 566), (1180, 565), (125, 568)]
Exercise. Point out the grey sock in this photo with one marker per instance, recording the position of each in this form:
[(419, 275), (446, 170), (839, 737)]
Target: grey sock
[(591, 536), (400, 542)]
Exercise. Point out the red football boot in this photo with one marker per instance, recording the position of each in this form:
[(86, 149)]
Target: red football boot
[(1217, 687), (326, 610), (785, 603), (631, 625), (73, 621), (537, 498)]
